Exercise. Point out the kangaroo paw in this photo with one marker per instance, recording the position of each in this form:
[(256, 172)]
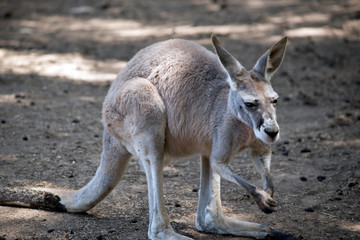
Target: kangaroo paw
[(265, 202)]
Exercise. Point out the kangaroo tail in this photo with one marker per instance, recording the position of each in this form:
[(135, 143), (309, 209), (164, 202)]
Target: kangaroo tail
[(31, 199)]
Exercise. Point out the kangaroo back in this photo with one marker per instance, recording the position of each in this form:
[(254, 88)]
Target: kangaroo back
[(191, 81)]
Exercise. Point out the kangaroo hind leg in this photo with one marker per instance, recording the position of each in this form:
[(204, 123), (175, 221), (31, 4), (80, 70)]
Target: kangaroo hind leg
[(149, 147), (141, 125)]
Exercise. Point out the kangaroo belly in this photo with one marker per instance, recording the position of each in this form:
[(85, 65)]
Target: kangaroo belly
[(184, 146)]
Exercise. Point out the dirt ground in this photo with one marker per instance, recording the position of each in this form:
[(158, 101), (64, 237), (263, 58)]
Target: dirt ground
[(57, 62)]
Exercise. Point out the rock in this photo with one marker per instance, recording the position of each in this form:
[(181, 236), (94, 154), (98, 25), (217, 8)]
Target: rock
[(303, 179), (309, 209), (305, 150), (100, 237), (287, 98), (7, 14), (320, 178), (285, 152), (352, 184), (104, 5), (19, 96)]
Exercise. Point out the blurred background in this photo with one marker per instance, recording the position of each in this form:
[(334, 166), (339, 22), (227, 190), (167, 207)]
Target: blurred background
[(58, 59)]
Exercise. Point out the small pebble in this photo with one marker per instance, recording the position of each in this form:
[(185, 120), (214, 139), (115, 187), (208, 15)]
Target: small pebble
[(304, 179), (309, 209), (7, 15), (335, 199), (287, 99), (305, 150), (99, 237), (19, 95), (285, 152), (352, 184), (320, 178), (105, 5), (75, 121)]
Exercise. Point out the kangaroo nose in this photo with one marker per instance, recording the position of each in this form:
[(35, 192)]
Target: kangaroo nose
[(271, 133)]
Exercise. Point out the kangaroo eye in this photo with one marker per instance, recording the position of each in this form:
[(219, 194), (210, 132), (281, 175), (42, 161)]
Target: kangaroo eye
[(250, 104), (274, 101)]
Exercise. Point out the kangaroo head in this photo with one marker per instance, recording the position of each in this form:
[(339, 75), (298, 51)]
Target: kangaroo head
[(251, 97)]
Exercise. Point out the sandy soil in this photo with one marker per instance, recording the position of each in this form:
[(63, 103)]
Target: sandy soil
[(57, 62)]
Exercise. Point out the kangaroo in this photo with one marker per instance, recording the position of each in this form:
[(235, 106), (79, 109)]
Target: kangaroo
[(176, 99)]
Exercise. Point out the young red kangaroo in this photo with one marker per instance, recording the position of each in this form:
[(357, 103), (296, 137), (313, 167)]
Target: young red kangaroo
[(175, 99)]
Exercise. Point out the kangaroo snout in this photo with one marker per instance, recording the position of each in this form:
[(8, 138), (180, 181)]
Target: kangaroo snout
[(271, 132)]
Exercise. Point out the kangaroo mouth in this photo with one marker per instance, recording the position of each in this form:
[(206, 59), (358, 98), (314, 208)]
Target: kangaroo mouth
[(264, 137)]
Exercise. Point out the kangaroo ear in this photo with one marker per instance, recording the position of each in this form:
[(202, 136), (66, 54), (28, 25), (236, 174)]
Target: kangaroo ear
[(270, 61), (233, 67)]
